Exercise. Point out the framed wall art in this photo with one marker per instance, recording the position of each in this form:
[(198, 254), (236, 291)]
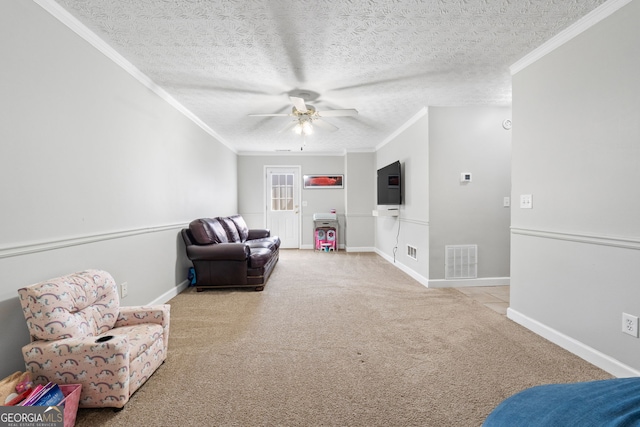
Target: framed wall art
[(324, 181)]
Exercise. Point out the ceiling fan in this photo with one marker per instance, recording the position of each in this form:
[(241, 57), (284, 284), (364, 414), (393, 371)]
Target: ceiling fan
[(305, 116)]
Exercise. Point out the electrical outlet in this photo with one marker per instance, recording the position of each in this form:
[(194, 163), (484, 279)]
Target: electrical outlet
[(630, 324), (526, 201), (124, 290)]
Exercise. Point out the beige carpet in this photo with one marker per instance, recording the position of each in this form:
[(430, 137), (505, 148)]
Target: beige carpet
[(339, 339)]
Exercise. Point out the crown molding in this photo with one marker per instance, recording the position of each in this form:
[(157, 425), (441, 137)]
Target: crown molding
[(94, 40), (580, 26), (292, 153), (421, 113), (360, 150)]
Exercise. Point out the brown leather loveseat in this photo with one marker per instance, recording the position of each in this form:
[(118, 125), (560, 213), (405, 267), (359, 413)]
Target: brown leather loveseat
[(227, 254)]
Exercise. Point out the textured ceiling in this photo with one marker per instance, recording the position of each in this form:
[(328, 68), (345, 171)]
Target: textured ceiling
[(225, 59)]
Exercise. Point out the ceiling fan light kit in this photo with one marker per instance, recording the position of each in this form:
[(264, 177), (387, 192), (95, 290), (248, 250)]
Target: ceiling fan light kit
[(307, 115), (303, 127)]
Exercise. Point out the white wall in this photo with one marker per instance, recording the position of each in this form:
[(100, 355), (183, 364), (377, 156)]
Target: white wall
[(575, 260), (461, 140), (360, 201), (96, 171), (411, 147), (251, 189)]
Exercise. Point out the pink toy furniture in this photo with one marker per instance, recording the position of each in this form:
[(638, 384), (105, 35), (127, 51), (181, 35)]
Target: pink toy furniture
[(325, 239), (81, 335), (320, 237)]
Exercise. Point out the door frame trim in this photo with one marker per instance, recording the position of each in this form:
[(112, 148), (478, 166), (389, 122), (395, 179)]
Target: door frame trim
[(297, 187)]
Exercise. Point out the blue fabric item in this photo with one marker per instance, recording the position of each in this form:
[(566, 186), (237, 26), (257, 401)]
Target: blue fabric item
[(604, 403)]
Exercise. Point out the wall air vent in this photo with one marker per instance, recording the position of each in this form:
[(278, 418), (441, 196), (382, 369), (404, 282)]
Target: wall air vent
[(412, 252), (461, 262)]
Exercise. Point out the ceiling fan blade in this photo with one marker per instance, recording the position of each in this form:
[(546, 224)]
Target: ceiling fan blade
[(299, 104), (325, 125), (396, 79), (289, 126), (270, 115), (338, 113)]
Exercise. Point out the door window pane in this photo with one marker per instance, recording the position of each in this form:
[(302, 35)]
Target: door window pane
[(282, 192)]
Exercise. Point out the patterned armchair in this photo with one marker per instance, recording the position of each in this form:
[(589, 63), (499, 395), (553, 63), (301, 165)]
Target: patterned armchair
[(81, 335)]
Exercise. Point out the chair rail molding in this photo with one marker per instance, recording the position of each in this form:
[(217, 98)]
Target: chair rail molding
[(51, 245), (593, 239)]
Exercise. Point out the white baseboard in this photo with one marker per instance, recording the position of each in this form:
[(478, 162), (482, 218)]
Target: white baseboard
[(418, 277), (340, 247), (485, 281), (170, 293), (482, 281), (361, 249), (591, 355)]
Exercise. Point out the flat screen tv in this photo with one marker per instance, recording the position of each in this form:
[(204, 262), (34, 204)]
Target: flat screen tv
[(390, 185)]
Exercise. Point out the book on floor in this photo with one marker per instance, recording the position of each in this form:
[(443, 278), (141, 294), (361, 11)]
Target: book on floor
[(48, 395)]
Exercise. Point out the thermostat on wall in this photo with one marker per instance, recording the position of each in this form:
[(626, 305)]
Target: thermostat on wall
[(465, 177)]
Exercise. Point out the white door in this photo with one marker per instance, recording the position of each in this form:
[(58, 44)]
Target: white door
[(283, 201)]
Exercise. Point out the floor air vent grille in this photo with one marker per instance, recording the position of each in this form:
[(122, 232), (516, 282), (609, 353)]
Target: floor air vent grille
[(461, 262)]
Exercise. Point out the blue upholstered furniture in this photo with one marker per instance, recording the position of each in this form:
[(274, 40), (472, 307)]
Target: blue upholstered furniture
[(605, 403)]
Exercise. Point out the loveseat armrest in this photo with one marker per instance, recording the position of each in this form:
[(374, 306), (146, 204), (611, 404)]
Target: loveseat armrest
[(219, 252), (258, 233), (71, 359)]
